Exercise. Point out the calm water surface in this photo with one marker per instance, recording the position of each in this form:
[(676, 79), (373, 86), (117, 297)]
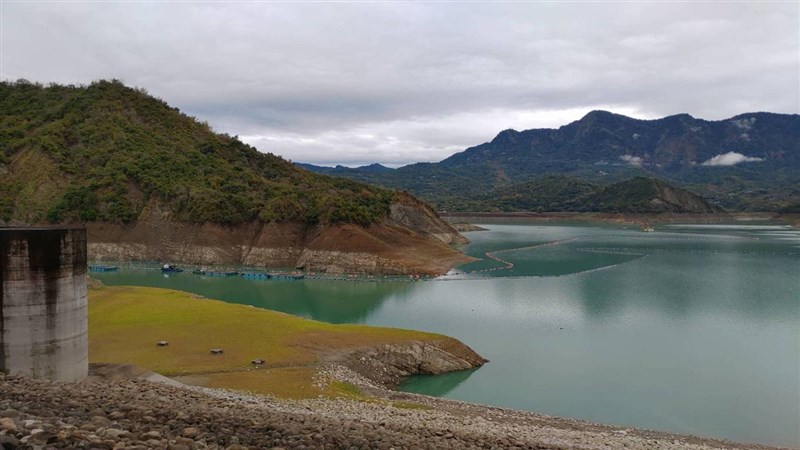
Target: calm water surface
[(691, 329)]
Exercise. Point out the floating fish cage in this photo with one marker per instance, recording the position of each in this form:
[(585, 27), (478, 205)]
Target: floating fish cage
[(287, 276), (96, 268), (255, 275), (213, 273)]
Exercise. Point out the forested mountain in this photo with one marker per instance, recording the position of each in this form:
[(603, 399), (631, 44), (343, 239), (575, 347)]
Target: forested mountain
[(152, 183), (102, 151), (561, 193), (748, 162)]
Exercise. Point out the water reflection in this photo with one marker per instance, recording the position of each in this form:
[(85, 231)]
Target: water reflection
[(436, 385), (328, 301)]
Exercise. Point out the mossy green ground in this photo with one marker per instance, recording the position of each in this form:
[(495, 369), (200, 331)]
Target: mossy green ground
[(125, 323)]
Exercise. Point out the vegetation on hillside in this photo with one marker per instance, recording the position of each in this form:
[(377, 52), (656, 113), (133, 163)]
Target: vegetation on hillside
[(560, 193), (103, 152)]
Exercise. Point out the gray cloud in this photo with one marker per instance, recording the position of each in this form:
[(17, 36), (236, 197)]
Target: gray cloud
[(401, 82)]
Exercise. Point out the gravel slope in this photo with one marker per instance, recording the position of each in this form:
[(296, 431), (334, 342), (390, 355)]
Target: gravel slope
[(140, 414)]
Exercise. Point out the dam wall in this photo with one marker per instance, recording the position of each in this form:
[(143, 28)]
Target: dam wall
[(43, 304)]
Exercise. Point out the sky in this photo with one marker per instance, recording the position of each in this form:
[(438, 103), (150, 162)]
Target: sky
[(355, 83)]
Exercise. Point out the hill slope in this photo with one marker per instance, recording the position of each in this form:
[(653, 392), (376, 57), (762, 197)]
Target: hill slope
[(151, 182), (560, 193), (748, 162)]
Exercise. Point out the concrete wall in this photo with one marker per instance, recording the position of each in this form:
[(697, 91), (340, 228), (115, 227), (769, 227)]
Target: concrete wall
[(43, 309)]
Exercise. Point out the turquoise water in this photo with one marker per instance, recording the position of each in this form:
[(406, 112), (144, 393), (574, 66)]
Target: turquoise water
[(691, 329)]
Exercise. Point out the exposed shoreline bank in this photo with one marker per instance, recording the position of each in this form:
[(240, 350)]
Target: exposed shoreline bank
[(135, 413)]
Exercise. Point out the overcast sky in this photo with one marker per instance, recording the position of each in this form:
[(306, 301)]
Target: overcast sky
[(355, 83)]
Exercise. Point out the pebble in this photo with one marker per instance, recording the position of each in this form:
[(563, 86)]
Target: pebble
[(7, 424)]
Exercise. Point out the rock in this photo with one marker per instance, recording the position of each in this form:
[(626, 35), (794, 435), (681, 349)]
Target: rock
[(186, 441), (114, 433), (40, 437), (89, 427), (150, 435), (189, 432), (97, 412), (101, 421), (9, 413), (116, 415), (8, 442), (7, 424)]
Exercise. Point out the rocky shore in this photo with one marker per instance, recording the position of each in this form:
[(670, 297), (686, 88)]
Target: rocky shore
[(140, 414)]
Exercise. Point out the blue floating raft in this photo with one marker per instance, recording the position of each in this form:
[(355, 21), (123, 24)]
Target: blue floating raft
[(255, 275)]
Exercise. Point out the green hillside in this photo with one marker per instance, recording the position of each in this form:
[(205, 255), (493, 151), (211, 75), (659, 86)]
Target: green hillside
[(103, 152), (560, 193)]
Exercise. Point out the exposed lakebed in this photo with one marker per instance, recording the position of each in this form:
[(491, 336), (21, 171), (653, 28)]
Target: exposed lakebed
[(691, 329)]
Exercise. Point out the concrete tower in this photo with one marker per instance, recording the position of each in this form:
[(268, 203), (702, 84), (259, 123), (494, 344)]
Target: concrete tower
[(43, 310)]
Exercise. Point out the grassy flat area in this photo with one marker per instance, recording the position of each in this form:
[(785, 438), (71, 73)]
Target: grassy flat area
[(126, 322)]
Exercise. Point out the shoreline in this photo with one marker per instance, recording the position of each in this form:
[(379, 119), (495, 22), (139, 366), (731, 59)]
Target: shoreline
[(623, 218), (139, 413)]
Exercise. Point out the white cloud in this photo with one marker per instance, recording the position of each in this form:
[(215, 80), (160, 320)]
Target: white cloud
[(730, 159), (632, 160)]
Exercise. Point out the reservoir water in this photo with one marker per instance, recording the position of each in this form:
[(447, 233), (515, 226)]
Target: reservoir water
[(691, 329)]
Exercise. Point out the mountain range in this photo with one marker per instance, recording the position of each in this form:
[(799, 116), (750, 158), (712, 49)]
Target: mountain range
[(750, 162)]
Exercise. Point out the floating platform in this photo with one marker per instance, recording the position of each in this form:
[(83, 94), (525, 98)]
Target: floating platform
[(287, 276), (103, 268), (213, 273), (255, 275)]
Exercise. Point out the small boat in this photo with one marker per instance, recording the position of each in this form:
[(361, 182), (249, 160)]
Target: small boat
[(169, 268), (97, 268)]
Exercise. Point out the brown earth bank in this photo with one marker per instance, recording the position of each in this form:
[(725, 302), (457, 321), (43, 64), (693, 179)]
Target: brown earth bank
[(624, 218), (139, 414), (411, 240)]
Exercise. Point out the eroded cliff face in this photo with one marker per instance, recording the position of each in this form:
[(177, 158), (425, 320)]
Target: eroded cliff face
[(389, 364), (409, 212), (678, 200), (412, 240)]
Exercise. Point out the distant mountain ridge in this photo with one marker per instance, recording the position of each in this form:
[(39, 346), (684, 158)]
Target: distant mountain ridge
[(747, 162)]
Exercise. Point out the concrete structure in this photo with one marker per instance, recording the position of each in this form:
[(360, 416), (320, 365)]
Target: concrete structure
[(43, 310)]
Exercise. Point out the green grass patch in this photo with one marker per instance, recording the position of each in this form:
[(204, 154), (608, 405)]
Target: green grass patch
[(125, 323)]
